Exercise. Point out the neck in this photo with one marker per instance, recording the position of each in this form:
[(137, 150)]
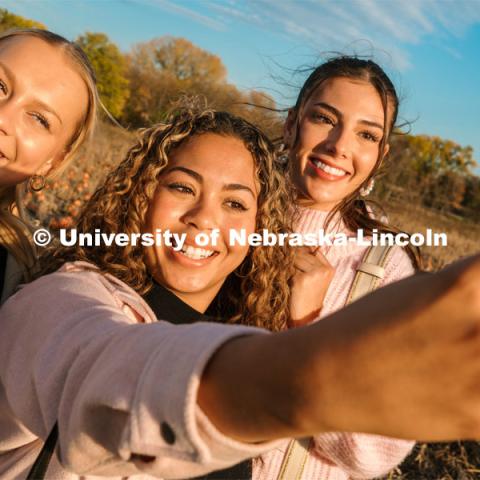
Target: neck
[(306, 202)]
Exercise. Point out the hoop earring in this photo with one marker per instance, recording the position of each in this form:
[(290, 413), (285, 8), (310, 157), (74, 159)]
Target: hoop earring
[(282, 154), (36, 183), (367, 189)]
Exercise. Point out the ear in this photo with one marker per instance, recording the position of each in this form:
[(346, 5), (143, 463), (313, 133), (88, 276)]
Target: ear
[(386, 149), (289, 128), (51, 164)]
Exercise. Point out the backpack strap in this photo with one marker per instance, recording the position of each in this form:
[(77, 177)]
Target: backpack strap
[(369, 273), (40, 467), (295, 459)]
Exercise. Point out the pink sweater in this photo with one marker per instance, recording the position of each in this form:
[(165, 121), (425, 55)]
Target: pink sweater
[(340, 456)]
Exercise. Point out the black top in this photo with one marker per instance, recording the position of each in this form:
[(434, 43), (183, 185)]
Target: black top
[(169, 307), (3, 267)]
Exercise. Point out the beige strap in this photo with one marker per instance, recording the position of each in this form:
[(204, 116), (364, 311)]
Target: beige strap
[(295, 459), (369, 272)]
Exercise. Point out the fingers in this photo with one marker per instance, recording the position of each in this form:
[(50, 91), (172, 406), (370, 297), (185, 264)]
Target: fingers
[(308, 259)]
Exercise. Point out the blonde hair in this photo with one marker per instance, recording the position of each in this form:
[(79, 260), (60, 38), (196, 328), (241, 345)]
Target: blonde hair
[(13, 231), (257, 292)]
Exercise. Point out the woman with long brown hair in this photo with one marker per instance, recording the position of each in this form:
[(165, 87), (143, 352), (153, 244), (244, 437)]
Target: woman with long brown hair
[(336, 139), (48, 103)]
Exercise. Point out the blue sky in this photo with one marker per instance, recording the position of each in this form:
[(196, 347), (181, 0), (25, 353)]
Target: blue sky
[(430, 48)]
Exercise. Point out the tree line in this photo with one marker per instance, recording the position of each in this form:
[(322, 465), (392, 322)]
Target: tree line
[(138, 87)]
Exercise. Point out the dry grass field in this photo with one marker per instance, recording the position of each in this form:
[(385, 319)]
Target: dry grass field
[(62, 202)]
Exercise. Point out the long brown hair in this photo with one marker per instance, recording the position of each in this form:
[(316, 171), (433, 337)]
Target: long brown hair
[(355, 212), (14, 233), (257, 292)]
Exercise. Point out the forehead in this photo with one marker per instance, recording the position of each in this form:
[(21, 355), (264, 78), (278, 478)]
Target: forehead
[(44, 72), (355, 96), (35, 55), (219, 159)]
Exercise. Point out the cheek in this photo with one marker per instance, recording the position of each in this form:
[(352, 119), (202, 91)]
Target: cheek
[(239, 224), (311, 134), (366, 163), (165, 212), (33, 151)]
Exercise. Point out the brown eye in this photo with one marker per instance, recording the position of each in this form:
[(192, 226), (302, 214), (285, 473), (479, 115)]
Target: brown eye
[(322, 118), (182, 188), (236, 205), (3, 87), (41, 120), (371, 137)]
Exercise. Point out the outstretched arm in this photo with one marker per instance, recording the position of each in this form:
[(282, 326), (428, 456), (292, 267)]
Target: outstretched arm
[(402, 362)]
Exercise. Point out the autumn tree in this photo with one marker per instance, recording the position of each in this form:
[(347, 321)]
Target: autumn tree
[(186, 62), (9, 21), (110, 69), (428, 170), (164, 68)]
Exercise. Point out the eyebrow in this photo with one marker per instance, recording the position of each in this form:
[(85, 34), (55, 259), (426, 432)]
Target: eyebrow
[(336, 112), (36, 102), (199, 179)]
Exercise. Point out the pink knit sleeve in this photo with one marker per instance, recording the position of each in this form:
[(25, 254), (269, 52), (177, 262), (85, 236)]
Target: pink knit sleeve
[(362, 455)]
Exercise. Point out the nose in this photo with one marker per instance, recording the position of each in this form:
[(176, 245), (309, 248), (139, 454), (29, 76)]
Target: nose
[(202, 215), (338, 142)]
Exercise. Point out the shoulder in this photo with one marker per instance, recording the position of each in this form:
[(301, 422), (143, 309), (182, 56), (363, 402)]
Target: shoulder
[(76, 286)]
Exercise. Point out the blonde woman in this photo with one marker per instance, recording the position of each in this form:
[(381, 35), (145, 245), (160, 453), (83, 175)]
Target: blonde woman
[(48, 103)]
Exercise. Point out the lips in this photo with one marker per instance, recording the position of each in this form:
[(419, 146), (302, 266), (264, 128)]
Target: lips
[(326, 170)]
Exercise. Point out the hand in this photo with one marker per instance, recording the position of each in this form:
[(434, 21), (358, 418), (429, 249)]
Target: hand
[(310, 284), (403, 361)]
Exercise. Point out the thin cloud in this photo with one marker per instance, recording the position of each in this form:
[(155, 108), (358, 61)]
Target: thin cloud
[(189, 13), (329, 25)]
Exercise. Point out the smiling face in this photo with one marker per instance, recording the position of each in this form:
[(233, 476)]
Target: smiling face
[(209, 183), (42, 101), (336, 142)]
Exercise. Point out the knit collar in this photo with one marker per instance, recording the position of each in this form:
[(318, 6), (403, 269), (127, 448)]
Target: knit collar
[(311, 220)]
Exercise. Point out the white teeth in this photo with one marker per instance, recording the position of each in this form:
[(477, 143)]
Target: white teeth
[(327, 168), (196, 253)]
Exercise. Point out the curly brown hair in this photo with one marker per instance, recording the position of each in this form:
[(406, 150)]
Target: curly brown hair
[(257, 292)]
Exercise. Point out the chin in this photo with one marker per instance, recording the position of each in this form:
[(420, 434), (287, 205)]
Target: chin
[(190, 285)]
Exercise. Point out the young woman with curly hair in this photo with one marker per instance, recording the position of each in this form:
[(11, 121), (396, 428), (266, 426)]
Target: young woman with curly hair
[(48, 103), (198, 172)]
